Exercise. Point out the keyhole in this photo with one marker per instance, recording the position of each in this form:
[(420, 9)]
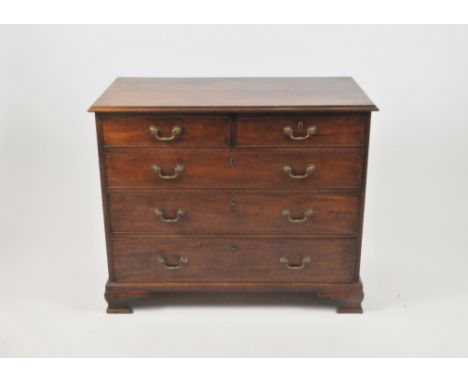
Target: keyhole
[(300, 125), (232, 161), (233, 202), (234, 247)]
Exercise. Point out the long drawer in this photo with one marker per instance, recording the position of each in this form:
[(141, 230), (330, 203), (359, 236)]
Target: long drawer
[(268, 212), (225, 259), (211, 168)]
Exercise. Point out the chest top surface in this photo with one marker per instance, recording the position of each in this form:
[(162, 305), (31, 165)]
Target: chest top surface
[(233, 95)]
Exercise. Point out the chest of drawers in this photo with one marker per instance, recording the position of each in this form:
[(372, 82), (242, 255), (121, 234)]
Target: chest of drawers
[(246, 184)]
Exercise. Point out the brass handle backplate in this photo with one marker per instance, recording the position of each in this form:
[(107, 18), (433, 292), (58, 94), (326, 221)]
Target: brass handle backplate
[(163, 260), (160, 213), (288, 131), (307, 214), (309, 170), (154, 132), (294, 267), (178, 170)]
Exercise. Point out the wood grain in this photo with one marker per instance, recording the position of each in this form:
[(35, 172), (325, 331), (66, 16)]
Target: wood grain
[(233, 187), (254, 260), (343, 129), (220, 95), (230, 168), (251, 212), (197, 131)]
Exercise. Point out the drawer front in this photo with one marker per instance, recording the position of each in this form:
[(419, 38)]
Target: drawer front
[(235, 259), (302, 130), (157, 130), (324, 168), (205, 212)]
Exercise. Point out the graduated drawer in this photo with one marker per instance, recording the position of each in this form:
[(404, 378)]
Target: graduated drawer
[(202, 168), (224, 259), (302, 130), (205, 212), (160, 130)]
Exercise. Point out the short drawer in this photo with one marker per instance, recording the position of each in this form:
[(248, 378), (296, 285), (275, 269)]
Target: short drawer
[(159, 130), (224, 259), (198, 168), (206, 212), (302, 130)]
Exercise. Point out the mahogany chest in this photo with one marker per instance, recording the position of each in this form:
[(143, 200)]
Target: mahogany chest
[(233, 184)]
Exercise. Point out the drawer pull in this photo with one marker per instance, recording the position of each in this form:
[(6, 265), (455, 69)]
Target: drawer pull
[(285, 260), (154, 132), (163, 260), (160, 213), (307, 214), (288, 170), (288, 131), (178, 170)]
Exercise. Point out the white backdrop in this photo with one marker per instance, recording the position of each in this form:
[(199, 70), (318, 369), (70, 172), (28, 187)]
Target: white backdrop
[(415, 248)]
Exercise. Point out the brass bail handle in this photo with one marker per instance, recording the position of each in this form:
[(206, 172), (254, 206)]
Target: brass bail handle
[(179, 213), (289, 171), (288, 131), (181, 261), (307, 214), (294, 267), (178, 170), (154, 132)]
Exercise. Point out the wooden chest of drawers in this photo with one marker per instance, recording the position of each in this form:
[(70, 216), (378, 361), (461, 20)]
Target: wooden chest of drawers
[(247, 184)]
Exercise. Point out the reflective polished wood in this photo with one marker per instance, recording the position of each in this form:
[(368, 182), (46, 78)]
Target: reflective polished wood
[(234, 184)]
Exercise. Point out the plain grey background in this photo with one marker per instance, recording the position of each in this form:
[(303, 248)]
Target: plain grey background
[(415, 249)]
